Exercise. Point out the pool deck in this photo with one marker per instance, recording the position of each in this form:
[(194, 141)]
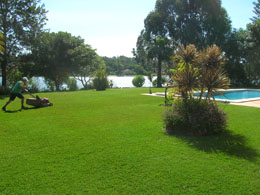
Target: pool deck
[(252, 102)]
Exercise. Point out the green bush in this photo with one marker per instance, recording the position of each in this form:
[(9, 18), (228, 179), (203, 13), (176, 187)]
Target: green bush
[(138, 81), (194, 118), (4, 90), (155, 82), (100, 80), (72, 84)]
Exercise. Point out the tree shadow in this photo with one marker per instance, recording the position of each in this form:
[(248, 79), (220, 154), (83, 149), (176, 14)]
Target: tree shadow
[(227, 142)]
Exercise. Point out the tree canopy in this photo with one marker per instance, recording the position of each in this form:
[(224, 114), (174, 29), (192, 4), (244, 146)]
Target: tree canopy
[(21, 21), (60, 55), (198, 22)]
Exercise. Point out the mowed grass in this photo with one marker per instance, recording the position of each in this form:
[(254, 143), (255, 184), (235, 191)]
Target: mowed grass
[(112, 142)]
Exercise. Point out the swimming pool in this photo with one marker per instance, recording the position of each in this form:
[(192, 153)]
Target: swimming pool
[(238, 95)]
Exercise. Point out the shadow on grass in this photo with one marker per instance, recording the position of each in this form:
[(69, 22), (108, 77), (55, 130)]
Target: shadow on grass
[(15, 111), (228, 143)]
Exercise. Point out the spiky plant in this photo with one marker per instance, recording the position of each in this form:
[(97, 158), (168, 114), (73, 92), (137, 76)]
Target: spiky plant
[(212, 77), (186, 75)]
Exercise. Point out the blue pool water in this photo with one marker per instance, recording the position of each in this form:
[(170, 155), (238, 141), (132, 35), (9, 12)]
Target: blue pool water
[(238, 95)]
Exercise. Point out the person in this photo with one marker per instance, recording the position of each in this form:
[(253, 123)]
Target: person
[(17, 92)]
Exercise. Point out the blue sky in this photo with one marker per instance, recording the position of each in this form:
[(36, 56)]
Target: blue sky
[(112, 26)]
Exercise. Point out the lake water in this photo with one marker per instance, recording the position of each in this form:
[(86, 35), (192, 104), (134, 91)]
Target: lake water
[(118, 82)]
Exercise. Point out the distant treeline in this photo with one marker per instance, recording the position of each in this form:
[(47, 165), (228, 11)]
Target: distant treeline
[(123, 65)]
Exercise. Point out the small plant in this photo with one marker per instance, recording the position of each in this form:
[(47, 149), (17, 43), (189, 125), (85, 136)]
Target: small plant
[(138, 81), (111, 84), (72, 84), (100, 80)]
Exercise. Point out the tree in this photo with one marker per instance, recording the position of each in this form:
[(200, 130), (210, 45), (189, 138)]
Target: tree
[(87, 62), (237, 50), (198, 22), (122, 65), (253, 56), (55, 56), (21, 21), (156, 49)]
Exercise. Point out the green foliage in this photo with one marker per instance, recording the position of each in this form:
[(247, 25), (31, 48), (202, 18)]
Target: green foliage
[(111, 84), (13, 76), (212, 76), (72, 84), (199, 70), (87, 62), (57, 55), (21, 23), (4, 90), (163, 81), (138, 81), (175, 22), (236, 52), (186, 75), (100, 80), (2, 43), (194, 118), (153, 50), (122, 65), (253, 52)]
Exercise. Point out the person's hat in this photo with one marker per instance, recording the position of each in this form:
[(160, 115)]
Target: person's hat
[(25, 79)]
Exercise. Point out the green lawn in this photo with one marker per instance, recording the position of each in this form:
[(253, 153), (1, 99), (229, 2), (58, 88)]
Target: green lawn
[(112, 142)]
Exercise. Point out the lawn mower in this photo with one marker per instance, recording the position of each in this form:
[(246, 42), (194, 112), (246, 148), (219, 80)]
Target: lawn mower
[(38, 102)]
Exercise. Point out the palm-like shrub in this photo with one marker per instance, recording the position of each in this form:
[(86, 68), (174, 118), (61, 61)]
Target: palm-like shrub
[(212, 76), (138, 81), (186, 75), (197, 70), (100, 80)]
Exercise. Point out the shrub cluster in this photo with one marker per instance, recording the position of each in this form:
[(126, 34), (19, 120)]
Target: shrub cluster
[(100, 80), (194, 118), (138, 81), (72, 84)]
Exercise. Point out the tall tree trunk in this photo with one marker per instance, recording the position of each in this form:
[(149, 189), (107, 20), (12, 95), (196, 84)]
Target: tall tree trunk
[(57, 85), (159, 73), (3, 66)]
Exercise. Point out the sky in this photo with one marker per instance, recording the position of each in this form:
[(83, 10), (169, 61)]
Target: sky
[(112, 26)]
